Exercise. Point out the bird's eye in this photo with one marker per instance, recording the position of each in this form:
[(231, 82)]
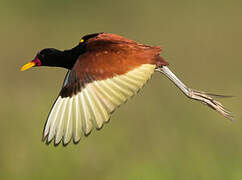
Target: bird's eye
[(41, 56), (82, 41)]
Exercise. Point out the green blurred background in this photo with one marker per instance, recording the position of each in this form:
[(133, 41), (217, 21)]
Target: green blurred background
[(160, 134)]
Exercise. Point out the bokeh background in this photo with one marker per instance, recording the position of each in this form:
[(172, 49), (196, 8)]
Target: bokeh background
[(160, 134)]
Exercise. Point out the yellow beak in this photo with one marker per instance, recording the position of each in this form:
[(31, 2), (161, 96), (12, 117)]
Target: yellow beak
[(27, 66)]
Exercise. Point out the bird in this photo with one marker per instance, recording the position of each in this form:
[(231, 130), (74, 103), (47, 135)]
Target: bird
[(104, 71)]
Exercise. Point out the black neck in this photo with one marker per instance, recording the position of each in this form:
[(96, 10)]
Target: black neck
[(70, 56), (66, 58)]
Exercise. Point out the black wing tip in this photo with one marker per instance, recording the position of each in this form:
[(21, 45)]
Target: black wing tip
[(43, 138), (65, 144), (76, 142), (47, 142), (56, 144), (87, 134)]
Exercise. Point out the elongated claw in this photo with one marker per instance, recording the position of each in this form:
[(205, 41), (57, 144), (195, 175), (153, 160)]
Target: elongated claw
[(208, 100)]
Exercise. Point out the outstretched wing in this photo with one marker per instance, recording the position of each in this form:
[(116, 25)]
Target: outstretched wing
[(104, 77), (87, 103)]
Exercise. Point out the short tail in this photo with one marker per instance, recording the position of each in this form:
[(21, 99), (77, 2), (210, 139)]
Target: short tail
[(203, 97)]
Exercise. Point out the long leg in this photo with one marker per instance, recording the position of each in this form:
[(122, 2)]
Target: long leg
[(196, 95)]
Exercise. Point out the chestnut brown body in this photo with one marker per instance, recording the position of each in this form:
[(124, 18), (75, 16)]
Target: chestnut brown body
[(109, 55)]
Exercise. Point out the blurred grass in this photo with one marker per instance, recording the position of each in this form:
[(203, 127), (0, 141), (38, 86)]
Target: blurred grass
[(159, 134)]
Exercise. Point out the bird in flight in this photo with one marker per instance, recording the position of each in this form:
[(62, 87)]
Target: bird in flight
[(104, 71)]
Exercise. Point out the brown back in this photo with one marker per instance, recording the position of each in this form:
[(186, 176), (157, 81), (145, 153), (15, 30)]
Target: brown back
[(108, 55)]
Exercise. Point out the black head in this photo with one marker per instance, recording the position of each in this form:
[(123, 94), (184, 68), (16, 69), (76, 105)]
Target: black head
[(48, 57), (57, 58)]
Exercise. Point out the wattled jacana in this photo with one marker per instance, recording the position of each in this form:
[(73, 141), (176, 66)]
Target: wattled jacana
[(104, 71)]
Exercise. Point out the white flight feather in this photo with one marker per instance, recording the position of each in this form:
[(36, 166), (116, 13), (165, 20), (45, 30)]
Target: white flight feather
[(68, 128), (73, 116), (60, 124)]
